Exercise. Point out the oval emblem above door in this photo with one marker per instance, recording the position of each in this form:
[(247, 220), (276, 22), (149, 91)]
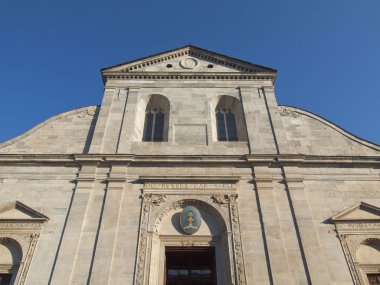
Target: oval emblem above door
[(190, 220)]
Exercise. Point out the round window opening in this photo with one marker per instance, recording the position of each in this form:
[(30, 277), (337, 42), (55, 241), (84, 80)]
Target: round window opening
[(210, 66), (190, 220), (169, 65)]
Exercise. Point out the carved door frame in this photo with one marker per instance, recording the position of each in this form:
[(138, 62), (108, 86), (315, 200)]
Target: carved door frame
[(351, 236), (154, 207), (24, 232)]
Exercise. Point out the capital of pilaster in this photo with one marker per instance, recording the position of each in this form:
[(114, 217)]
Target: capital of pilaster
[(264, 183)]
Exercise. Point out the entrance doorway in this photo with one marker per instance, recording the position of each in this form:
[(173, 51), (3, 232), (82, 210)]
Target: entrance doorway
[(5, 278), (190, 266), (374, 279)]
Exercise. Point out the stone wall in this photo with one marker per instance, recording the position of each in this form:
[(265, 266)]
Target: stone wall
[(69, 132)]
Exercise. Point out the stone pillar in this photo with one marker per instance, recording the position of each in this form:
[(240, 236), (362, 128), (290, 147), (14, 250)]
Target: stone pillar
[(315, 259), (107, 235)]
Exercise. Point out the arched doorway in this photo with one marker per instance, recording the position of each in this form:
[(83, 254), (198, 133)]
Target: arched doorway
[(368, 260), (163, 244), (10, 259)]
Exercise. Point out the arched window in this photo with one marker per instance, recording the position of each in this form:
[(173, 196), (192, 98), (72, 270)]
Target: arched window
[(154, 125), (226, 125)]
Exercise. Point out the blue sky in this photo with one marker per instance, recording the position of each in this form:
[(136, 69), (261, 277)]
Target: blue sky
[(327, 52)]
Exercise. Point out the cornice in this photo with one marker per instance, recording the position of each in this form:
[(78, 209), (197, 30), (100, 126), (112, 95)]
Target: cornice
[(301, 159), (188, 76), (33, 158), (270, 159)]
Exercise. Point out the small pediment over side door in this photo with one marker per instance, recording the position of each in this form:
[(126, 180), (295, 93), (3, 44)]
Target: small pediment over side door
[(19, 211), (358, 212)]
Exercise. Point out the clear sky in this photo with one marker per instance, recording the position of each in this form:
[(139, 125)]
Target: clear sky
[(327, 52)]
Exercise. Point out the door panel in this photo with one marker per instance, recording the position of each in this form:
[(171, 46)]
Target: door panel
[(190, 266)]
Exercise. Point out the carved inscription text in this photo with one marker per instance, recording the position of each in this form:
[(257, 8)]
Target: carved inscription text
[(188, 185)]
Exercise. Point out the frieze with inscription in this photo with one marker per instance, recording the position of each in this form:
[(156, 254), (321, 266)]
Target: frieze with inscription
[(358, 226), (189, 185)]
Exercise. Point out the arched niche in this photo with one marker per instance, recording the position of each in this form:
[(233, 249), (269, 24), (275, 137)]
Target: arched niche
[(10, 258), (369, 252), (144, 105), (159, 228), (367, 259), (235, 107)]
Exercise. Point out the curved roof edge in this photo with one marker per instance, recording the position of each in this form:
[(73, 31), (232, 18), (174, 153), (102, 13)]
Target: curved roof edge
[(333, 126), (44, 123)]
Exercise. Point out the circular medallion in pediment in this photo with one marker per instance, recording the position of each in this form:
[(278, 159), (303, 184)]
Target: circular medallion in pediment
[(189, 63), (190, 220)]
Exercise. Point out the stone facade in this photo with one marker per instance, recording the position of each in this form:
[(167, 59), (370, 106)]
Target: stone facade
[(85, 200)]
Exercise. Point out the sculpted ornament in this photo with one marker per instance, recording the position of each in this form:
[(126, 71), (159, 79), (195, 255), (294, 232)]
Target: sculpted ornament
[(141, 259), (286, 111), (189, 63), (230, 201), (220, 199), (188, 243), (91, 111), (237, 241), (155, 199), (224, 200), (190, 220)]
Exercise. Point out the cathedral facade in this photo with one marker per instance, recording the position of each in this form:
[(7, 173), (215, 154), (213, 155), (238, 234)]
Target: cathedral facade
[(189, 173)]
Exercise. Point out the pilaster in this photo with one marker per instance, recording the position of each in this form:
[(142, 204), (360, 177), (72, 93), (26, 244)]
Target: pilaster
[(128, 124), (87, 243), (258, 126), (315, 260), (289, 234), (101, 123), (279, 262), (273, 111), (107, 236), (126, 236), (114, 121), (73, 228)]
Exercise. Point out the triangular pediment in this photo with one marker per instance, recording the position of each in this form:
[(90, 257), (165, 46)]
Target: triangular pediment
[(188, 59), (19, 211), (358, 212)]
